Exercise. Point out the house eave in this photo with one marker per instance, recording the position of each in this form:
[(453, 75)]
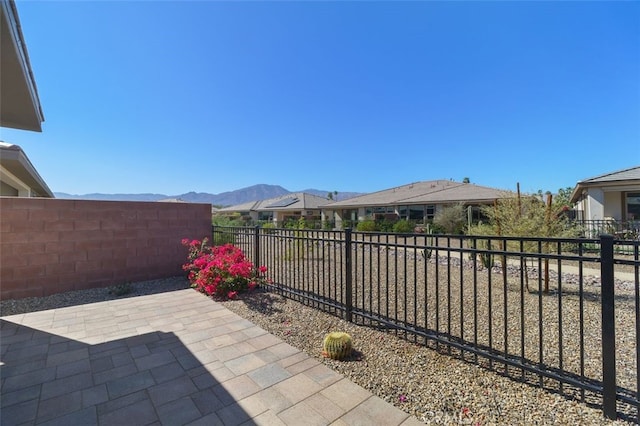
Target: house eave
[(19, 101), (15, 161)]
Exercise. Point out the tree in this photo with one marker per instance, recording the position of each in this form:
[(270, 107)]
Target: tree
[(466, 180), (526, 217), (451, 219)]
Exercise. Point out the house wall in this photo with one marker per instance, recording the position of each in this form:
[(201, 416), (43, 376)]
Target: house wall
[(613, 205), (595, 204), (50, 246)]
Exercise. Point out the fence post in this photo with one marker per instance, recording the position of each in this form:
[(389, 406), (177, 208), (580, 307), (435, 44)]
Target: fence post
[(256, 245), (348, 278), (213, 234), (608, 328)]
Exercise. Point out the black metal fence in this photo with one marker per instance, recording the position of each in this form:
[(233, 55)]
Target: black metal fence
[(562, 314), (627, 229)]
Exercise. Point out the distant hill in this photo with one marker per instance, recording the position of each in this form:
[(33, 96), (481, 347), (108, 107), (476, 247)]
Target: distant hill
[(230, 198)]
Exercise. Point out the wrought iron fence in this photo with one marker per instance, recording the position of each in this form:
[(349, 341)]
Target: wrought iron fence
[(562, 314), (626, 230)]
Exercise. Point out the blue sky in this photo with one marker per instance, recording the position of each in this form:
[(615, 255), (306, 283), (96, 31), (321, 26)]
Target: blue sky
[(171, 97)]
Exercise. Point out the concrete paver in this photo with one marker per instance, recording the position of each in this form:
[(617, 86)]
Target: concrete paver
[(171, 358)]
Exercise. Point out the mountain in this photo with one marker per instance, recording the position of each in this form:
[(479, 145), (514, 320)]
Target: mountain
[(229, 198)]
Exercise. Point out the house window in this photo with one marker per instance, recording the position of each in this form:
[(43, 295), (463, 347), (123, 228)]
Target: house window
[(265, 215), (403, 212), (633, 205), (430, 212), (416, 212)]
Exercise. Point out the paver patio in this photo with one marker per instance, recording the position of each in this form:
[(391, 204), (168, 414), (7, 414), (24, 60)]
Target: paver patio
[(172, 358)]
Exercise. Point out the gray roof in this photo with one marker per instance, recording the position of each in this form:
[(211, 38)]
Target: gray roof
[(626, 174), (630, 175), (434, 191), (291, 201)]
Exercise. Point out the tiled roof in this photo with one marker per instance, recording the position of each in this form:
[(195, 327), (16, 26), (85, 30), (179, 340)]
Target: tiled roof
[(435, 191), (292, 201), (627, 174)]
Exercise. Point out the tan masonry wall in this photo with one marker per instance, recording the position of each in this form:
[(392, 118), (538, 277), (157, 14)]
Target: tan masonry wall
[(50, 246)]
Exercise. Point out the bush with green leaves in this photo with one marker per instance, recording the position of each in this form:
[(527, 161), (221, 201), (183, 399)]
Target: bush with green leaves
[(403, 226), (228, 220), (384, 225), (367, 226)]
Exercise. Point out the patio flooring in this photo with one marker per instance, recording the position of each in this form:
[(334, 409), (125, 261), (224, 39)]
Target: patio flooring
[(171, 358)]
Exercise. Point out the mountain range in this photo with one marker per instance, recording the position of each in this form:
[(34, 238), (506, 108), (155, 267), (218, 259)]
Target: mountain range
[(229, 198)]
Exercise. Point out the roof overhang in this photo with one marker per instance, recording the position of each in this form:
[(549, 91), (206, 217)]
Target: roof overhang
[(614, 185), (19, 103), (15, 164)]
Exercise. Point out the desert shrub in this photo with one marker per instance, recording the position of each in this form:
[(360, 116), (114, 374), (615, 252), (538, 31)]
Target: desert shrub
[(367, 226), (228, 220), (384, 225), (451, 219), (224, 236), (403, 226)]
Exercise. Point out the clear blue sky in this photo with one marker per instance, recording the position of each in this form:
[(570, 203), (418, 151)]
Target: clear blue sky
[(209, 96)]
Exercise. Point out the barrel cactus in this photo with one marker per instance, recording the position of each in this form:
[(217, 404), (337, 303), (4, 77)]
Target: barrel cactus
[(337, 345)]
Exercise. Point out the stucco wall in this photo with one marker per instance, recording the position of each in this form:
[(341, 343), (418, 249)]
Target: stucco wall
[(51, 245)]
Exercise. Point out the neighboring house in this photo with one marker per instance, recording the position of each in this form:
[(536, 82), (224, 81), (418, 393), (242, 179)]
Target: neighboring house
[(19, 108), (18, 177), (288, 207), (418, 201), (612, 196)]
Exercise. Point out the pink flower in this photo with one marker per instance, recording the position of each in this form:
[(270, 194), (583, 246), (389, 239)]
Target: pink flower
[(221, 271), (402, 398), (262, 269)]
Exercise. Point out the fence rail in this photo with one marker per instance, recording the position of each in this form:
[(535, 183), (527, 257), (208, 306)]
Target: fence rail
[(562, 314)]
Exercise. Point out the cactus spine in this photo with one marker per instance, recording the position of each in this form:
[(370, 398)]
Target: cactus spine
[(337, 345)]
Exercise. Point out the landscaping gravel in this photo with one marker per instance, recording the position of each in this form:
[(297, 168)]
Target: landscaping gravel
[(424, 382)]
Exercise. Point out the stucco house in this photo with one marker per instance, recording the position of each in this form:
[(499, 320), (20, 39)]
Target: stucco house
[(610, 197), (417, 201), (279, 210), (19, 108)]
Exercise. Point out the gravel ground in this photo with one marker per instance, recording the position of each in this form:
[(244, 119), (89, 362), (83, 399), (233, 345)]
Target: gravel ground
[(434, 387)]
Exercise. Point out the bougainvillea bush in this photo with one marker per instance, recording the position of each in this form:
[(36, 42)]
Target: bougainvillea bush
[(221, 271)]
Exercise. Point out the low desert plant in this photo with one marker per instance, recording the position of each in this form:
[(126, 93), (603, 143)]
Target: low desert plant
[(337, 345), (403, 227), (367, 226), (121, 289)]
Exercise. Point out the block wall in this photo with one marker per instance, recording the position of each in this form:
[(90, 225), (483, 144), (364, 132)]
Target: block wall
[(50, 246)]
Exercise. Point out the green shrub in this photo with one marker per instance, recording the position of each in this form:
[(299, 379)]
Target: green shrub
[(224, 237), (269, 228), (367, 226), (403, 226), (384, 225)]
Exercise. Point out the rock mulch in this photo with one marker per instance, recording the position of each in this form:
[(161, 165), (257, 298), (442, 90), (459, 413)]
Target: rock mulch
[(434, 387)]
